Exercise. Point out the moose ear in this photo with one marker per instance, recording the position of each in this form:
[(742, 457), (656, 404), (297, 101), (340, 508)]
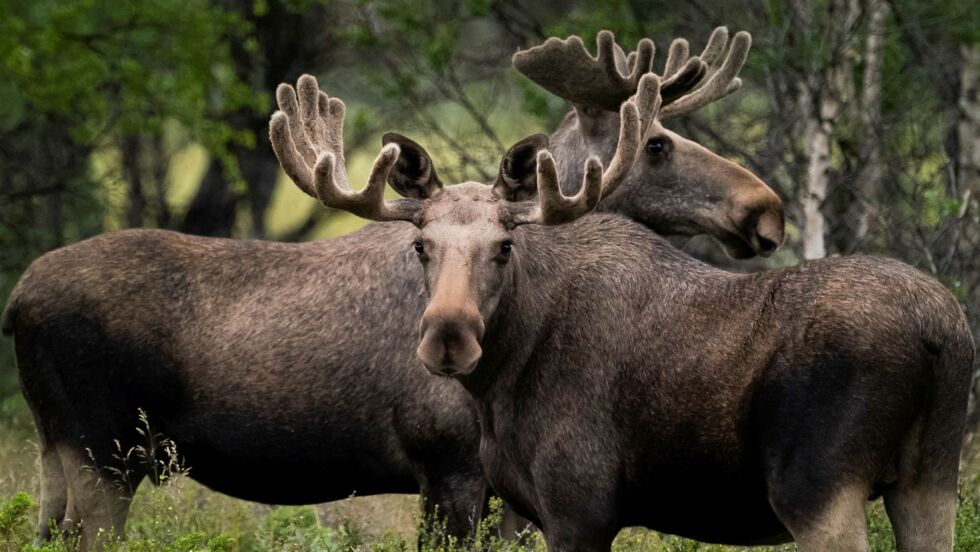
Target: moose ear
[(517, 179), (413, 175)]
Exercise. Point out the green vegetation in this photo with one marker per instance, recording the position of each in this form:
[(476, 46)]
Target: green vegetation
[(182, 516)]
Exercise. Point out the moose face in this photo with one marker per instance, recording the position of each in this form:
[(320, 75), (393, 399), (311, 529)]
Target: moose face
[(464, 243), (678, 186), (464, 246), (464, 236), (675, 186)]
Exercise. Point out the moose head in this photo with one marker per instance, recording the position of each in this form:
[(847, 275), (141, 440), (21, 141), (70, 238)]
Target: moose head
[(676, 186), (465, 233)]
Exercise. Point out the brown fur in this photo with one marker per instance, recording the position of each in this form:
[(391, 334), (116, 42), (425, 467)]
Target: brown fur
[(621, 382), (608, 368), (215, 339)]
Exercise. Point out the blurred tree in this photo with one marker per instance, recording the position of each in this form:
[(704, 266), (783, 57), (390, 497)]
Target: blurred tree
[(285, 38), (88, 77)]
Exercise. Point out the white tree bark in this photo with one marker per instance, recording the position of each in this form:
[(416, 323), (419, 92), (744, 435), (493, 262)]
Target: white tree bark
[(869, 177), (816, 133), (823, 94), (968, 126)]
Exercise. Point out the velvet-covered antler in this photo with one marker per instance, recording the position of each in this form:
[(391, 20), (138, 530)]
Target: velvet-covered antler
[(307, 136), (723, 79), (553, 207), (566, 69)]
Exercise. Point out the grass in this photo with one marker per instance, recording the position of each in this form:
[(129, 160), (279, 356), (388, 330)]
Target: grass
[(182, 516)]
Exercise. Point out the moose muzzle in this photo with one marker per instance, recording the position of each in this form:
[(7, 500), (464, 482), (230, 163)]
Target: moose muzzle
[(450, 344), (756, 213)]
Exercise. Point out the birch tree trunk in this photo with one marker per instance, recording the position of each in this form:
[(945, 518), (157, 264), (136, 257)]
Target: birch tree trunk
[(823, 92), (868, 182), (816, 134), (968, 187), (968, 126)]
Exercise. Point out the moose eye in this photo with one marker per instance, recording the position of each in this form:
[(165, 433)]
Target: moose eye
[(419, 248), (505, 249), (656, 146)]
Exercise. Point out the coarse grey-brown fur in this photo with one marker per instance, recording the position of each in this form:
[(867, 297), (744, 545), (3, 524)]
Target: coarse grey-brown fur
[(623, 383), (295, 361)]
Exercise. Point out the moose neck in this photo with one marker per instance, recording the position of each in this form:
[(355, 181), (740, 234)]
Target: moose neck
[(538, 280), (556, 277)]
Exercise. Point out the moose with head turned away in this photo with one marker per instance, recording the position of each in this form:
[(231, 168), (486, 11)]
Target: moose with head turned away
[(297, 361), (620, 382)]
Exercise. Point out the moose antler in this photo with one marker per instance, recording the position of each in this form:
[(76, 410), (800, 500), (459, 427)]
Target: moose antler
[(566, 69), (307, 136), (553, 207), (724, 76)]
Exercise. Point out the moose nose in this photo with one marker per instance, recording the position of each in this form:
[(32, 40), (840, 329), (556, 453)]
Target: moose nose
[(769, 230), (450, 343)]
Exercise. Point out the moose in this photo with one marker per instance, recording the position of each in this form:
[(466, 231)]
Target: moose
[(297, 361), (620, 382)]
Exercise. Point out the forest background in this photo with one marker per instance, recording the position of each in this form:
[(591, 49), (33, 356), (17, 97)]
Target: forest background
[(863, 115)]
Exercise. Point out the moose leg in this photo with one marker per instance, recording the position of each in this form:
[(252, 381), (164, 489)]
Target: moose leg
[(578, 515), (578, 533), (923, 517), (457, 500), (54, 492), (513, 525), (567, 539), (834, 523), (921, 503), (98, 502)]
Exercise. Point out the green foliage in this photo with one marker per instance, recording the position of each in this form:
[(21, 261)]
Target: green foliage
[(968, 516), (128, 66), (299, 529), (13, 514)]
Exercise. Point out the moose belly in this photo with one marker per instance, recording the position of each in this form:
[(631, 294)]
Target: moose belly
[(706, 503), (279, 479), (287, 451)]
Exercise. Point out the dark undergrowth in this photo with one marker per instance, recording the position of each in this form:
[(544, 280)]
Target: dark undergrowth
[(181, 516)]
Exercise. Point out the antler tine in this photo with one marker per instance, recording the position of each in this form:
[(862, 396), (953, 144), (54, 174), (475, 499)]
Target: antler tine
[(555, 207), (631, 126), (368, 203), (565, 68), (722, 83), (648, 99), (683, 80), (307, 137), (676, 56), (290, 158), (715, 46), (640, 61)]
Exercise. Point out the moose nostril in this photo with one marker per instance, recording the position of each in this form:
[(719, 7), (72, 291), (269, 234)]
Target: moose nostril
[(766, 245)]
